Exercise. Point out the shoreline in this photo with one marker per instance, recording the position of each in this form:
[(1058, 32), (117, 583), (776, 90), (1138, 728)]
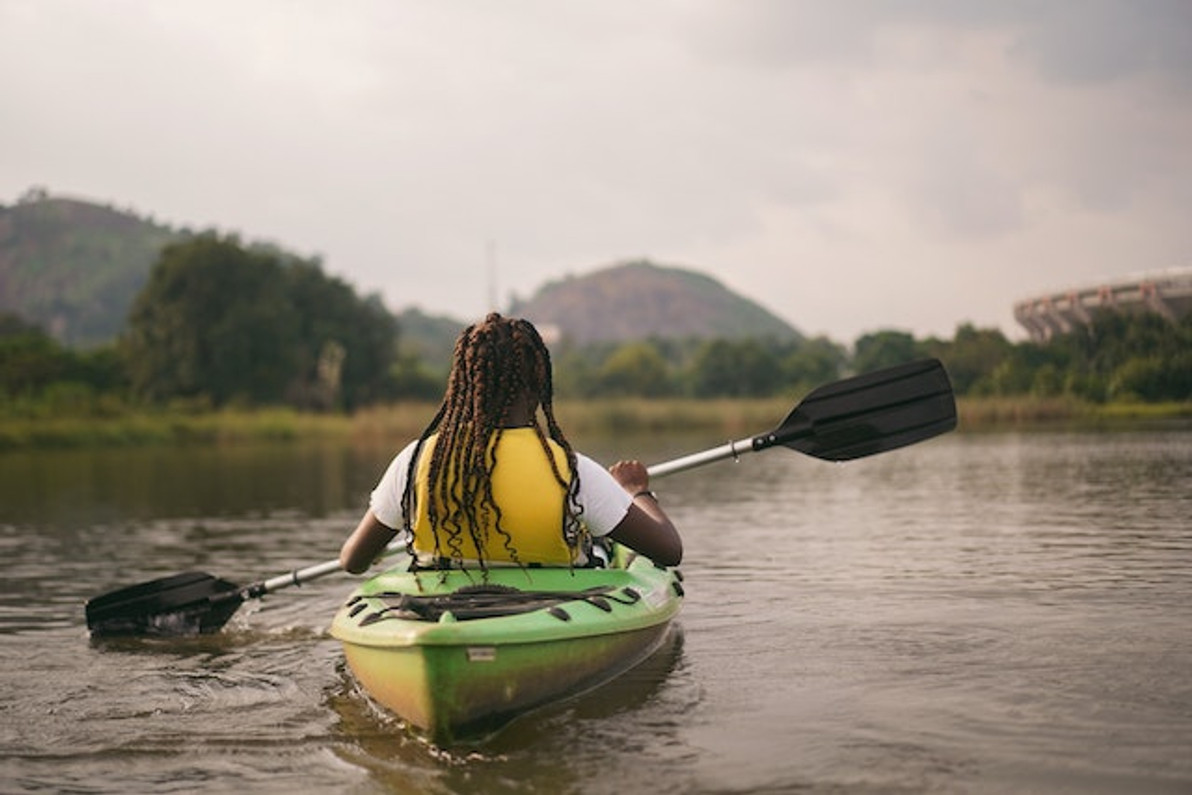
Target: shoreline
[(387, 425)]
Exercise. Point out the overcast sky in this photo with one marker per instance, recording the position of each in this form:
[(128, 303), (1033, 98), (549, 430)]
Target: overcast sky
[(851, 165)]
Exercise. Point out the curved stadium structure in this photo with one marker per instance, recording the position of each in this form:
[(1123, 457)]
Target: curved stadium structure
[(1167, 292)]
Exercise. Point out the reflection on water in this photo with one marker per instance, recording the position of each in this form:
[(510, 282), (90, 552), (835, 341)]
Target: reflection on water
[(85, 487), (978, 613)]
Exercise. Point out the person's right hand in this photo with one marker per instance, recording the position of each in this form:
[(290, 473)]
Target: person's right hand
[(632, 475)]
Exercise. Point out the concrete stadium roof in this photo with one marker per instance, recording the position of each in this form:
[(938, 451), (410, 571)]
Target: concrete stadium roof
[(1167, 292)]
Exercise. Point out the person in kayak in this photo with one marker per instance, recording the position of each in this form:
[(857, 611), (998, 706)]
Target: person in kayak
[(487, 483)]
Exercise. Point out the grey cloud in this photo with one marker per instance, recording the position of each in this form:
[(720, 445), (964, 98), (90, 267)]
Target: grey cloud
[(1104, 40), (398, 138), (1091, 41), (968, 199)]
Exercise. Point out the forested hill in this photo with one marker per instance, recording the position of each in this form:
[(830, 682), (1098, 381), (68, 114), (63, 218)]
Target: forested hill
[(627, 302), (73, 267), (640, 300)]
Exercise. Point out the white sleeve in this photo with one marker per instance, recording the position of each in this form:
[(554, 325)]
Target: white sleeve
[(385, 501), (603, 502)]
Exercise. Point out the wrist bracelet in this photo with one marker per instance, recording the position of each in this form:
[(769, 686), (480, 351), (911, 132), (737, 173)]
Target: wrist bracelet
[(646, 493)]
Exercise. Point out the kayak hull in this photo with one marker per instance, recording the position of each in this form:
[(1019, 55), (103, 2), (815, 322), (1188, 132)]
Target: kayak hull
[(453, 677)]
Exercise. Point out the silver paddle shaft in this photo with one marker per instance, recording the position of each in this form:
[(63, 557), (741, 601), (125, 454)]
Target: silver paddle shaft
[(300, 576), (730, 450)]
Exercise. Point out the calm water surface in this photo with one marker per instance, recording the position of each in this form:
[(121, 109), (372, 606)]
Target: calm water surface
[(986, 614)]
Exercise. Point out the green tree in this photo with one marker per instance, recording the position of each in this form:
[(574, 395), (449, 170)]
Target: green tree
[(973, 357), (222, 323), (813, 363), (13, 325), (884, 349), (575, 370), (43, 376), (1165, 374), (635, 368), (30, 359), (735, 368), (1137, 356), (213, 322), (1048, 381), (334, 323)]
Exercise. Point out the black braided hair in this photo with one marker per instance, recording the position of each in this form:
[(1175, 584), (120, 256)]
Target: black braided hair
[(496, 362)]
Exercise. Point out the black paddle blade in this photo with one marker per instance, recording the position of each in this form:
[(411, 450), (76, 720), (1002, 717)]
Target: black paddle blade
[(870, 413), (184, 604)]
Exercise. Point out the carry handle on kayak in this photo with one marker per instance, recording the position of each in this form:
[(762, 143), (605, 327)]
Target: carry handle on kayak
[(848, 419)]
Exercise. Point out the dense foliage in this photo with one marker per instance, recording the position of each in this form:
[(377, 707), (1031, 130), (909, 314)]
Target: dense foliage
[(1121, 357), (40, 376), (219, 324), (214, 323), (222, 323)]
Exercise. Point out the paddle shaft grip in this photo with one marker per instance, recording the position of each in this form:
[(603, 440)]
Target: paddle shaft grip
[(304, 575), (730, 450)]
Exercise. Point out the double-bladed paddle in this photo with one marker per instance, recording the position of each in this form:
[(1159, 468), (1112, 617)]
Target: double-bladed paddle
[(853, 418), (848, 419)]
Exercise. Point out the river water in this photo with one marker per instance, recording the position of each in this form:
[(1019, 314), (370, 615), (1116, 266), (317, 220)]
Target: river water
[(978, 613)]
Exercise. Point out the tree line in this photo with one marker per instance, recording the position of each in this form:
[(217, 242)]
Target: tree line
[(221, 324), (216, 324), (1120, 357)]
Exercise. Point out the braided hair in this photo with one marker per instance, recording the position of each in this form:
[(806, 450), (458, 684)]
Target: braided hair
[(496, 363)]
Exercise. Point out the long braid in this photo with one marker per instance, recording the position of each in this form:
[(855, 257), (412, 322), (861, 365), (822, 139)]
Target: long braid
[(495, 363), (408, 493), (545, 393)]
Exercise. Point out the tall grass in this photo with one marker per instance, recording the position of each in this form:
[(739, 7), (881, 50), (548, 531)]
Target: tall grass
[(1027, 413), (156, 427), (393, 425)]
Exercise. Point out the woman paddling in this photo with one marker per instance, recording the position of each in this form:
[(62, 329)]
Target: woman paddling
[(486, 484)]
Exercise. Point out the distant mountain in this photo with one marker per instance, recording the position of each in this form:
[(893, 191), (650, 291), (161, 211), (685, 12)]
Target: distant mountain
[(73, 267), (640, 300)]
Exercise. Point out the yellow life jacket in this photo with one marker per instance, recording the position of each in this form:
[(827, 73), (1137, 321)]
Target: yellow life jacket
[(530, 497)]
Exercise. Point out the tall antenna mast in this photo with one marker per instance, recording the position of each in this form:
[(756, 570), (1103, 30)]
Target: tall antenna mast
[(492, 276)]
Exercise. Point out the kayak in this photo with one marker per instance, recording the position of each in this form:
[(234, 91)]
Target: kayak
[(459, 654)]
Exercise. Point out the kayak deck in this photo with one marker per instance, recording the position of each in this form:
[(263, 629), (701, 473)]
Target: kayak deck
[(459, 654)]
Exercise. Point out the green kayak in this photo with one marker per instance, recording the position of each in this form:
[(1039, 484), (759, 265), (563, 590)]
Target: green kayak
[(458, 654)]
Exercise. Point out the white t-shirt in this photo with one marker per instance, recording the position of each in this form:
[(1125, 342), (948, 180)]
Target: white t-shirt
[(603, 503)]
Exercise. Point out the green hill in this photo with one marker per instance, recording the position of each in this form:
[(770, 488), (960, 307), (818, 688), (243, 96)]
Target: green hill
[(631, 301), (73, 267), (641, 300)]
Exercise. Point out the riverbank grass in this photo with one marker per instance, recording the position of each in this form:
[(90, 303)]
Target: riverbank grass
[(394, 424)]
